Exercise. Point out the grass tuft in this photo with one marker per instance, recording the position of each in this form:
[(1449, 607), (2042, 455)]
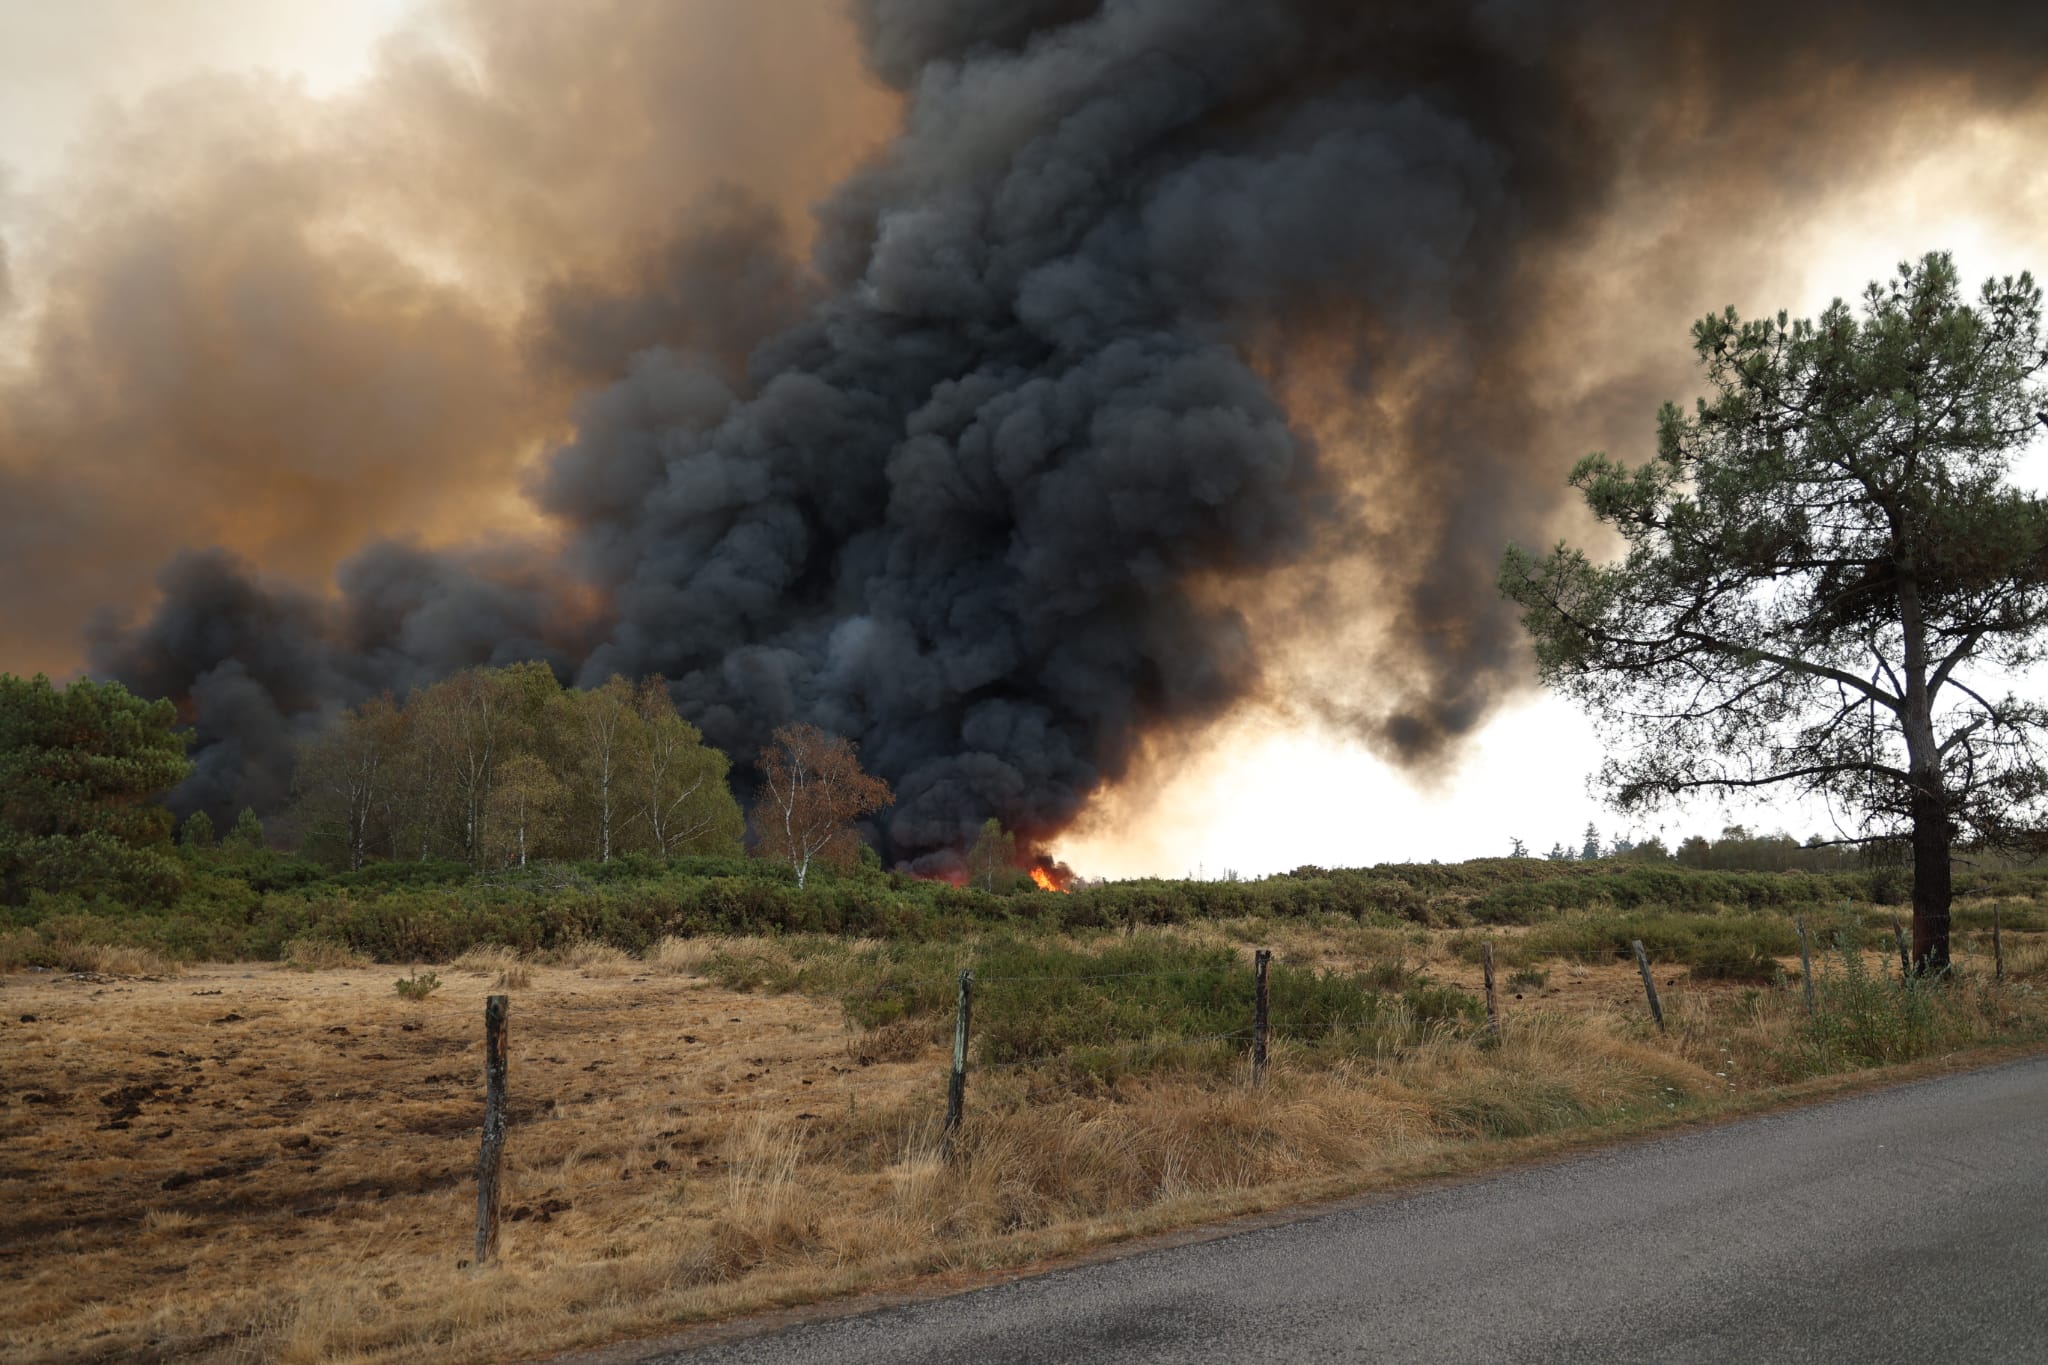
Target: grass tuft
[(308, 953)]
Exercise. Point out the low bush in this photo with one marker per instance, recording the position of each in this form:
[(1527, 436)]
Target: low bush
[(1097, 1009), (1866, 1017), (252, 904), (418, 986), (1734, 946)]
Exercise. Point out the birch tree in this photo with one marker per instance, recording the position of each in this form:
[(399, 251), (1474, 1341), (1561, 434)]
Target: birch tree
[(602, 731), (526, 801), (993, 859), (684, 800), (812, 792), (345, 776), (467, 725)]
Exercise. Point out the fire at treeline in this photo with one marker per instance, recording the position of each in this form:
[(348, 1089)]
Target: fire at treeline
[(505, 767)]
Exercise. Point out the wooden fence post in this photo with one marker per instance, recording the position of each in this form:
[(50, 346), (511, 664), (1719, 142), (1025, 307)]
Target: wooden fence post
[(492, 1155), (1492, 1002), (1997, 949), (1261, 1014), (1905, 955), (956, 1092), (1649, 986), (1805, 961)]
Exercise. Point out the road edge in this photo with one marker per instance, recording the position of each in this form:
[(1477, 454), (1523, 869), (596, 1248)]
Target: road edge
[(1478, 1164)]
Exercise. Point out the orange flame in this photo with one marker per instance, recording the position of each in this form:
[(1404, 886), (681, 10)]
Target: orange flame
[(1045, 882)]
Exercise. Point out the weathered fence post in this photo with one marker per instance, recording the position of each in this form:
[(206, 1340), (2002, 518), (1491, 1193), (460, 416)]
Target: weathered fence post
[(1905, 955), (1649, 986), (1805, 961), (956, 1092), (1492, 1002), (1261, 1013), (1997, 949), (492, 1155)]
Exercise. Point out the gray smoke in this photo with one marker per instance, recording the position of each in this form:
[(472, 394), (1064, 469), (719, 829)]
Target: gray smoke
[(995, 483), (256, 667)]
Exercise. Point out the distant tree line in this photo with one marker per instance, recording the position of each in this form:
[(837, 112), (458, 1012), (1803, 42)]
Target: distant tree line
[(1737, 850), (492, 767), (503, 766)]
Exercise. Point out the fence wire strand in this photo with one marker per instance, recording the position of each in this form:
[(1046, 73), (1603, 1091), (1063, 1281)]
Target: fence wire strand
[(1160, 1045), (1104, 976)]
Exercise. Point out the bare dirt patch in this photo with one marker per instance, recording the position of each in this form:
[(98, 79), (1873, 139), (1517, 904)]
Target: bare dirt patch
[(181, 1158)]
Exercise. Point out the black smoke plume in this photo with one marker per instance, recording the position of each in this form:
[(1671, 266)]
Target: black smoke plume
[(1002, 482)]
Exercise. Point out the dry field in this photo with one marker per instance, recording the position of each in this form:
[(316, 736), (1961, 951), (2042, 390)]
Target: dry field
[(259, 1163)]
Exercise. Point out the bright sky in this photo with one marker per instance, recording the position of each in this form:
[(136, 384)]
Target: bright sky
[(1263, 799), (61, 60)]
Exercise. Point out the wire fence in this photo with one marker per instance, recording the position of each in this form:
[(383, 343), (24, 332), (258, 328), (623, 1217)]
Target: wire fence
[(464, 1035)]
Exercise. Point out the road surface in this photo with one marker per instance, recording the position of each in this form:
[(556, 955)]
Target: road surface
[(1905, 1225)]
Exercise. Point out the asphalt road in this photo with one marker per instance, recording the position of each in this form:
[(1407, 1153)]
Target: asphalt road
[(1906, 1225)]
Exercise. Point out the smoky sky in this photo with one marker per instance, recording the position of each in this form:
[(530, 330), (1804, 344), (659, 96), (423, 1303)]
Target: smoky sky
[(1161, 339)]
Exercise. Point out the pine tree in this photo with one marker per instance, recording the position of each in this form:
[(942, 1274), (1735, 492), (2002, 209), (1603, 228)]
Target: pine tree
[(80, 770), (1827, 565)]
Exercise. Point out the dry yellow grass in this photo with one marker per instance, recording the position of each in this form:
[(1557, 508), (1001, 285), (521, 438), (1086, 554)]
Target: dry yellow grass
[(19, 946), (310, 954), (681, 956), (505, 968), (595, 959), (252, 1163)]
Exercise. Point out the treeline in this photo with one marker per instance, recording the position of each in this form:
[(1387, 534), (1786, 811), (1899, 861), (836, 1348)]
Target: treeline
[(487, 770), (1737, 850), (503, 767)]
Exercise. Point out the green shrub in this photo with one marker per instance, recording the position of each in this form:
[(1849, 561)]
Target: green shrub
[(418, 986), (1034, 1002), (1866, 1018), (247, 903), (1729, 944)]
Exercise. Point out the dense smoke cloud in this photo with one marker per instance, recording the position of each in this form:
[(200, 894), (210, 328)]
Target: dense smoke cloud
[(1168, 341), (253, 318)]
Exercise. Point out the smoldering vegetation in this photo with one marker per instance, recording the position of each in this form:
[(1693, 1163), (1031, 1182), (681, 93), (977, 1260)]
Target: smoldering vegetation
[(1163, 353)]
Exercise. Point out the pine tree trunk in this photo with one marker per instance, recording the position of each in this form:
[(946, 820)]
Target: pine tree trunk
[(1932, 883), (1928, 803)]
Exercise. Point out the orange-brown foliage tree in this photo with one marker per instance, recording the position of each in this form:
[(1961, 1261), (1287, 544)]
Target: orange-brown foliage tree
[(812, 790)]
